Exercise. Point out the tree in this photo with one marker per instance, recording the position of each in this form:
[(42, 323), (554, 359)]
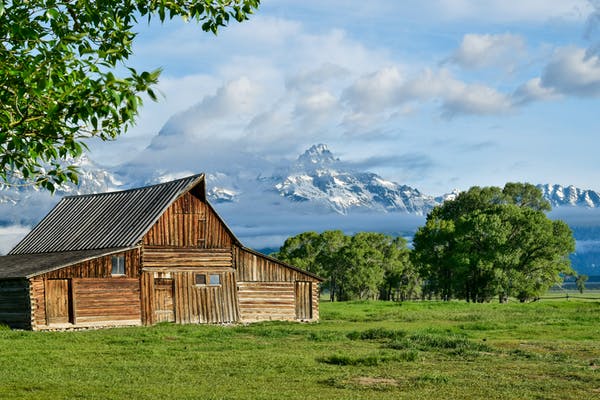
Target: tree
[(580, 282), (365, 265), (492, 242), (315, 253), (58, 79)]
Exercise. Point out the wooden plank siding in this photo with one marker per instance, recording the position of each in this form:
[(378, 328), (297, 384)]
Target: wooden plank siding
[(255, 268), (189, 222), (106, 300), (269, 289), (59, 301), (263, 301), (98, 267), (38, 302), (171, 257), (192, 303), (303, 300), (95, 297), (15, 308)]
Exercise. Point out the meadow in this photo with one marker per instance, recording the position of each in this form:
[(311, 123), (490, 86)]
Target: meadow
[(359, 350)]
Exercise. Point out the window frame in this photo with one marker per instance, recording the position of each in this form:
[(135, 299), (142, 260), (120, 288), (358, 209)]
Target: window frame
[(196, 276), (118, 261), (210, 279)]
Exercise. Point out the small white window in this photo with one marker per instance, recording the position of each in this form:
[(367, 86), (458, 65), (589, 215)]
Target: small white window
[(214, 279), (118, 265)]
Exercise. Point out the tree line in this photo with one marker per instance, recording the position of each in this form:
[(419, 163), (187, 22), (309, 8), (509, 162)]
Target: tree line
[(487, 243)]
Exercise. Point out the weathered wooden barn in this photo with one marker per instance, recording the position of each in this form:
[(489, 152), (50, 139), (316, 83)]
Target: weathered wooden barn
[(143, 256)]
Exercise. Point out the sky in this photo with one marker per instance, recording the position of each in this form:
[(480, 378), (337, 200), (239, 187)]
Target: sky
[(435, 94)]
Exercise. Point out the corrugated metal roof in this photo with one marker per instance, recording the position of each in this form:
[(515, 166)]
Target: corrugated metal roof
[(28, 265), (105, 220)]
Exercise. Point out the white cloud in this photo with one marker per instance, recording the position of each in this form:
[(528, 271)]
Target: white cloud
[(475, 100), (387, 88), (231, 105), (533, 90), (486, 50), (10, 236), (376, 91), (573, 72), (318, 105)]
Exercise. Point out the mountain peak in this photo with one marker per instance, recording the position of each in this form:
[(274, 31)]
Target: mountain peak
[(318, 155)]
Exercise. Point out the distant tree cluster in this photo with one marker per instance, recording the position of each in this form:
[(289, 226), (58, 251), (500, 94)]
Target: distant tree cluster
[(488, 242), (364, 266)]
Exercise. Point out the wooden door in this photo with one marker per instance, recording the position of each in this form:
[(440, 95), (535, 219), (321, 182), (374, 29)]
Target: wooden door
[(58, 301), (164, 307), (303, 296)]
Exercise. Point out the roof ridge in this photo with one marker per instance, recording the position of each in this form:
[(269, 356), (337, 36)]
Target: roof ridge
[(103, 220)]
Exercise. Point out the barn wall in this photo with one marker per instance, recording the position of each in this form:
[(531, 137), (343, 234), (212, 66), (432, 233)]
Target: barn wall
[(15, 306), (95, 298), (99, 267), (174, 257), (263, 301), (38, 302), (269, 290), (108, 300), (254, 268), (189, 222), (191, 302)]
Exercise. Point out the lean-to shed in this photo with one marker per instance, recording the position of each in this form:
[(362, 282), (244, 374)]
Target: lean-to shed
[(142, 256)]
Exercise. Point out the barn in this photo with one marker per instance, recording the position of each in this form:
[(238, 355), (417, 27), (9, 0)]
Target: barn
[(143, 256)]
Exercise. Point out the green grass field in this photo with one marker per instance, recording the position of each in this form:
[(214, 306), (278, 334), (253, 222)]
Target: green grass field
[(359, 350)]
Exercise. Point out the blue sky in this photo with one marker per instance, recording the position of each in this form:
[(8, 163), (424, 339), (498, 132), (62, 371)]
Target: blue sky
[(436, 94)]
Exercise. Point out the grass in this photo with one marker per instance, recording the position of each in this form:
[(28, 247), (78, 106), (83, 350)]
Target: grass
[(359, 350)]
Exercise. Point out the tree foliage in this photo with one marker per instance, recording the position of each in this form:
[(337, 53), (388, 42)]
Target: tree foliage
[(366, 265), (58, 79), (580, 281), (492, 242)]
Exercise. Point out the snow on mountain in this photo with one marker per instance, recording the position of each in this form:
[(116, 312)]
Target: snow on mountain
[(24, 203), (317, 176), (559, 196)]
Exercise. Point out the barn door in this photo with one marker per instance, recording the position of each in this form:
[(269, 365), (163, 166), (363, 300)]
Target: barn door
[(58, 301), (164, 307), (303, 300)]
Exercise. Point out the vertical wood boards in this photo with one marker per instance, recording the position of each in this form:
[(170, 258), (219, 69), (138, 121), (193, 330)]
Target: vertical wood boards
[(205, 303), (189, 222), (303, 300), (147, 298), (58, 301), (99, 267), (251, 267), (164, 310), (14, 303), (38, 301), (190, 303)]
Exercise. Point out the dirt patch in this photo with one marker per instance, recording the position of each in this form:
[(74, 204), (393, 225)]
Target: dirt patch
[(369, 381)]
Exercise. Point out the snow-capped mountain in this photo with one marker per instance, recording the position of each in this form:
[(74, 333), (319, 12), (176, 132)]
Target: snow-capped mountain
[(559, 196), (24, 203), (317, 176)]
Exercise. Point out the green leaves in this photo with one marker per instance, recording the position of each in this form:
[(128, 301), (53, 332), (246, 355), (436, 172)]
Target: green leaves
[(58, 85), (492, 241), (366, 265)]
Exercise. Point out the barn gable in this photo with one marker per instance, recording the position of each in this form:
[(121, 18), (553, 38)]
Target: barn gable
[(142, 256), (106, 220)]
